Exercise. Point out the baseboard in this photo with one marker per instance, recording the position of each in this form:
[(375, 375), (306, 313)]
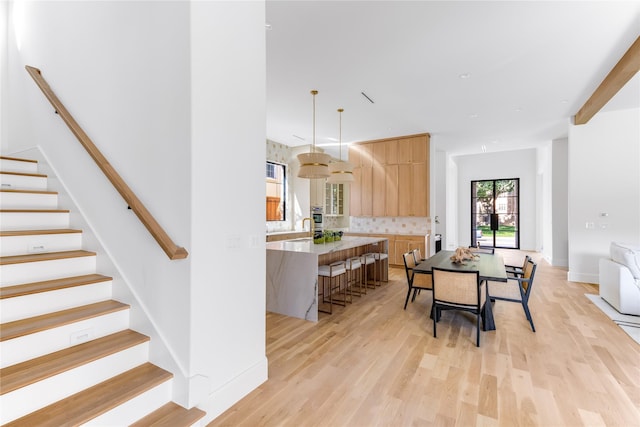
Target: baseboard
[(583, 277), (560, 262), (226, 396)]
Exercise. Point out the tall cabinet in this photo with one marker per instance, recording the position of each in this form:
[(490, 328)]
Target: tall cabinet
[(391, 177)]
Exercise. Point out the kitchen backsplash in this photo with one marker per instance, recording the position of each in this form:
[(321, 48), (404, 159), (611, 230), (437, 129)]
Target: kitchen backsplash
[(278, 153), (390, 225)]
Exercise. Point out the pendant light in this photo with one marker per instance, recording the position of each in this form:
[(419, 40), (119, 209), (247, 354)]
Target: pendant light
[(314, 165), (341, 172)]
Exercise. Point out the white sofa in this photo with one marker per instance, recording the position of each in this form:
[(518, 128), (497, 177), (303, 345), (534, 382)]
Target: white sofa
[(620, 278)]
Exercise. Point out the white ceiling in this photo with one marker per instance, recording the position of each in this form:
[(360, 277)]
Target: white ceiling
[(530, 66)]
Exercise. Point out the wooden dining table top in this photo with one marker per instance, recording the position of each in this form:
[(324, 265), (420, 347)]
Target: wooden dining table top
[(489, 267)]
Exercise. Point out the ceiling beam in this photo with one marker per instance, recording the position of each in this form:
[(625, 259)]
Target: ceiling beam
[(623, 71)]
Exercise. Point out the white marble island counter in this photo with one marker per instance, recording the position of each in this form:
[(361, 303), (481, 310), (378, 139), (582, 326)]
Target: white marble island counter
[(292, 271), (307, 245)]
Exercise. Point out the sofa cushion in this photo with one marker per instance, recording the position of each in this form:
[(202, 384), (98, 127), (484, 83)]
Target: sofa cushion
[(627, 255)]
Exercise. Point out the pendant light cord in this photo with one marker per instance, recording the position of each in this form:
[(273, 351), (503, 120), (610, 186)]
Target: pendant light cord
[(340, 110), (314, 93)]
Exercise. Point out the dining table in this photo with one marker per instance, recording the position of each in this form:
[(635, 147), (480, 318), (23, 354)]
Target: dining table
[(489, 267)]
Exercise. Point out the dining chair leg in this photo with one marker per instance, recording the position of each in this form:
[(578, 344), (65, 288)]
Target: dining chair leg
[(478, 330), (434, 315), (407, 298), (528, 314)]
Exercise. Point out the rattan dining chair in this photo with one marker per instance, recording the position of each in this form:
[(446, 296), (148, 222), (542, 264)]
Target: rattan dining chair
[(517, 270), (458, 290), (521, 292), (415, 282)]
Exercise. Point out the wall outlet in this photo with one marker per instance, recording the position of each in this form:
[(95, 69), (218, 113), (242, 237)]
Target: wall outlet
[(590, 226), (79, 337), (35, 248)]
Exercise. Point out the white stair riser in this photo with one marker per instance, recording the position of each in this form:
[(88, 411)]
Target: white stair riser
[(22, 182), (34, 220), (12, 200), (45, 392), (27, 347), (39, 243), (26, 306), (136, 408), (7, 165), (29, 272)]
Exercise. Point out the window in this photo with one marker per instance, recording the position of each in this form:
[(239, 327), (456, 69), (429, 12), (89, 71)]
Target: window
[(276, 191), (334, 199)]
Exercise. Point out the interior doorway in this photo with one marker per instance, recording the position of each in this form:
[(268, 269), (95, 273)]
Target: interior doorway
[(495, 213)]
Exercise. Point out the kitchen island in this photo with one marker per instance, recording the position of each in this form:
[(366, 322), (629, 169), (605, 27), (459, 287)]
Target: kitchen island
[(292, 271)]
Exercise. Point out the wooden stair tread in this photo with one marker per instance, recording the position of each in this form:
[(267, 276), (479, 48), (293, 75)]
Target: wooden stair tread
[(46, 256), (43, 322), (37, 175), (94, 401), (34, 370), (18, 159), (170, 415), (28, 191), (34, 210), (51, 285), (10, 233)]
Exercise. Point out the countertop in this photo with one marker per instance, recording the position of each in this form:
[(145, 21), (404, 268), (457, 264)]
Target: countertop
[(306, 245)]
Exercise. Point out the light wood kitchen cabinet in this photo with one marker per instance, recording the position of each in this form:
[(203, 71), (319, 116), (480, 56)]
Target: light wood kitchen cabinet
[(420, 189), (404, 190), (391, 152), (393, 177), (407, 243), (378, 181), (366, 156), (366, 195), (391, 190), (400, 244), (355, 205)]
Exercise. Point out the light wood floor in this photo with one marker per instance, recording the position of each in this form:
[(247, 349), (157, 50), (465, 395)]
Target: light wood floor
[(374, 364)]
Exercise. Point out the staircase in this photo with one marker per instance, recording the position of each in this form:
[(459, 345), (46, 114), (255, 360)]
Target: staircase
[(67, 355)]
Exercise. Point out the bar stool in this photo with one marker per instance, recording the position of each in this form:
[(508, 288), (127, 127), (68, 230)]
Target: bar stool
[(354, 275), (336, 274), (366, 260), (380, 259)]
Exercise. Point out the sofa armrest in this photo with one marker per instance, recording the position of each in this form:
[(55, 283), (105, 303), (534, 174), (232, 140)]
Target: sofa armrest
[(618, 287)]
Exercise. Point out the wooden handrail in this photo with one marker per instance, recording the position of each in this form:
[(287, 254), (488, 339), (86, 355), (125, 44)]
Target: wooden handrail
[(172, 250)]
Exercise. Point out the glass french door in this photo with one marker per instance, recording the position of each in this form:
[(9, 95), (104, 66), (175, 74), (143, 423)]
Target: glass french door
[(495, 213)]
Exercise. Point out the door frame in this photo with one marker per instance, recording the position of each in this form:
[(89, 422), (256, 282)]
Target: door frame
[(473, 214)]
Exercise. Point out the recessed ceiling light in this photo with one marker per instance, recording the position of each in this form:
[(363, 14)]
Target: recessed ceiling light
[(495, 141), (464, 76), (267, 26), (473, 116), (518, 109), (564, 101)]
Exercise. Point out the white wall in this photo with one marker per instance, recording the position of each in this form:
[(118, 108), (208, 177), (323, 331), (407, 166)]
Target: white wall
[(4, 75), (604, 178), (228, 211), (440, 178), (166, 90), (560, 202), (505, 164), (122, 71)]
